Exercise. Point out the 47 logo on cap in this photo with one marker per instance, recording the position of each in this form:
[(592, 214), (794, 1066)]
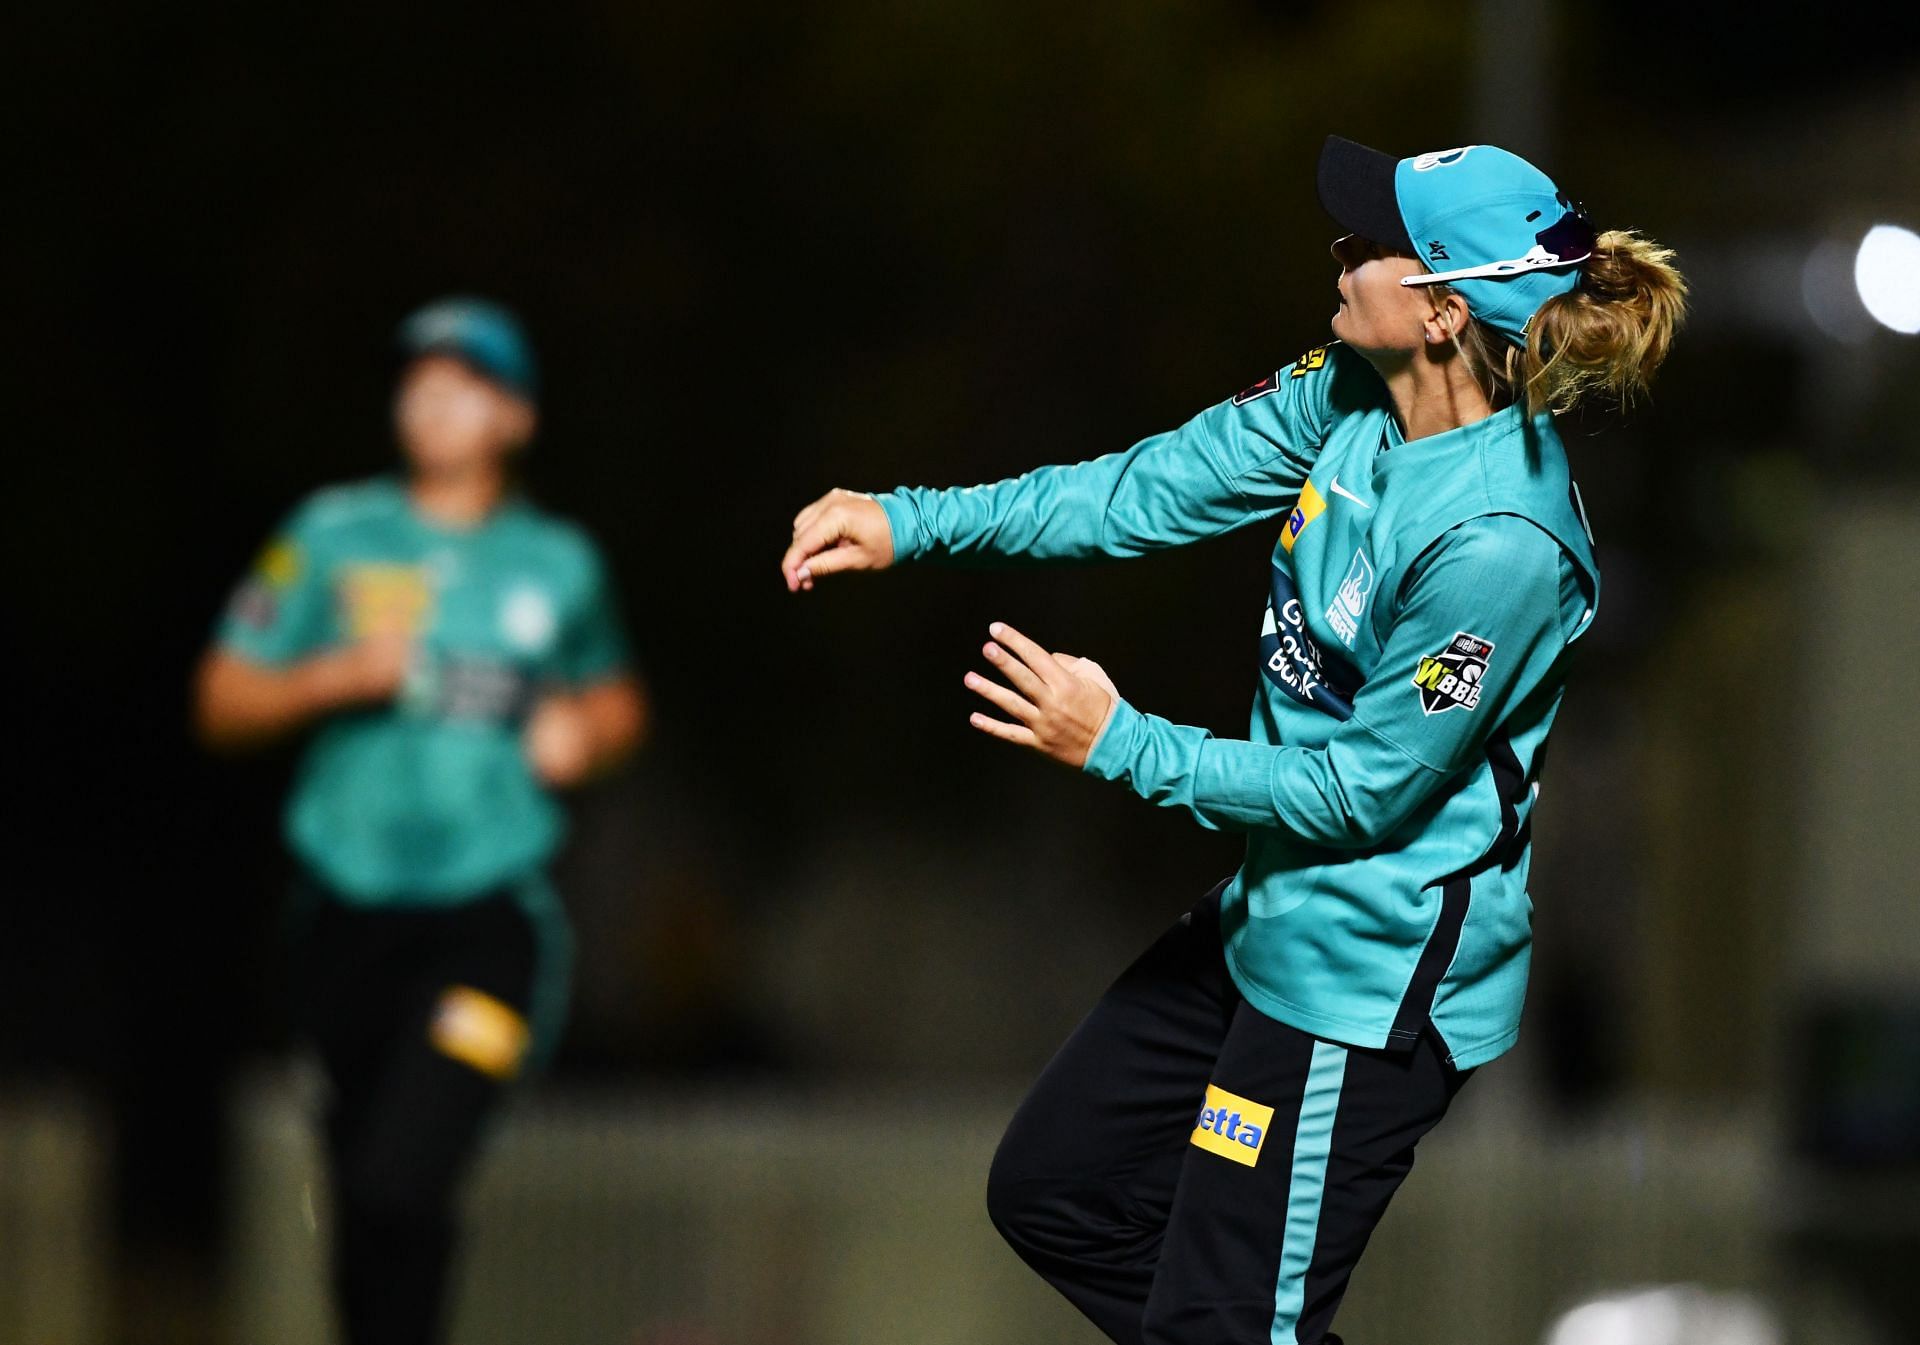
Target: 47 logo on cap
[(1450, 679), (1232, 1126)]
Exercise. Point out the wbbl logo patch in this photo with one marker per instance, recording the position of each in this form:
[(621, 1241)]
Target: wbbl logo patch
[(1450, 679)]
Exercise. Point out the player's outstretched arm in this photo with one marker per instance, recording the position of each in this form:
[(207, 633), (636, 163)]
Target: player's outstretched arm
[(1233, 464), (841, 531)]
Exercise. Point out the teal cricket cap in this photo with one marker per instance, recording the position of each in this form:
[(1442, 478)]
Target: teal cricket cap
[(481, 334), (1480, 218)]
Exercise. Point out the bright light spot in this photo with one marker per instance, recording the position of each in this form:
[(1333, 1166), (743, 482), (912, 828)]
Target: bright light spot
[(1668, 1315), (1600, 1324), (1886, 271)]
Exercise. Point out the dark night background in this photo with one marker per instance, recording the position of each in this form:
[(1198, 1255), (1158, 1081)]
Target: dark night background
[(763, 250)]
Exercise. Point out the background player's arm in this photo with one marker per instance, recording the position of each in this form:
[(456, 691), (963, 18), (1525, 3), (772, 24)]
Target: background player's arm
[(1501, 579), (575, 735), (1234, 463), (599, 714), (241, 703), (274, 667)]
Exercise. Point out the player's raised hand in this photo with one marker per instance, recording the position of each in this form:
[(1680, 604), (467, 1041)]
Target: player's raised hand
[(1061, 702), (842, 530), (558, 741), (366, 672)]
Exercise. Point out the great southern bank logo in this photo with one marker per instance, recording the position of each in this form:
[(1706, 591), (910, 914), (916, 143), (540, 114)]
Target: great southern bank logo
[(1232, 1126)]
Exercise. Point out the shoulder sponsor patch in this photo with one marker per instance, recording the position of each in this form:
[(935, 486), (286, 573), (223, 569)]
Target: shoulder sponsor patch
[(1232, 1126), (1266, 386), (255, 604), (1450, 679), (279, 564)]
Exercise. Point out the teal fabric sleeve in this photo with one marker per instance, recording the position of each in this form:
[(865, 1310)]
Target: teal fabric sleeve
[(1499, 579), (279, 614), (594, 646), (1242, 460)]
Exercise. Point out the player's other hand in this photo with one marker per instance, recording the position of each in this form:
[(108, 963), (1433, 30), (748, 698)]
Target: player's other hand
[(1060, 703), (842, 530), (559, 741), (365, 672)]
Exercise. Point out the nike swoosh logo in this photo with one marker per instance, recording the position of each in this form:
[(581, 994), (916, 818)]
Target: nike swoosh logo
[(1334, 486)]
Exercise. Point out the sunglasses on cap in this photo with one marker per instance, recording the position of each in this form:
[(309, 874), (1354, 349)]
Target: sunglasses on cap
[(1568, 241)]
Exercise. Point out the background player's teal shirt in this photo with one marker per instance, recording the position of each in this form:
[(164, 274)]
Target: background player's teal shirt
[(430, 799), (1422, 598)]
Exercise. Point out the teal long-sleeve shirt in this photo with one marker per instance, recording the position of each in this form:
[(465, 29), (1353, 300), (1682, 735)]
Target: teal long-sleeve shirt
[(1422, 599)]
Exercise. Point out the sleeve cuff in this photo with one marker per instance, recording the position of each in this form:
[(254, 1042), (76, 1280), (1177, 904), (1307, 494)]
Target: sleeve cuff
[(903, 521), (1114, 750)]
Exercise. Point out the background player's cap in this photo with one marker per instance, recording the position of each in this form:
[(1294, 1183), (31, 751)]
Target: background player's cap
[(1480, 218), (484, 335)]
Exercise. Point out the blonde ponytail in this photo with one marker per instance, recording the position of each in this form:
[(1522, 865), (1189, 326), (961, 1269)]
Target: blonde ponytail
[(1604, 339), (1601, 341)]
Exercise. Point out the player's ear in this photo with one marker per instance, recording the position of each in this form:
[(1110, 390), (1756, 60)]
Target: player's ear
[(523, 421), (1447, 321)]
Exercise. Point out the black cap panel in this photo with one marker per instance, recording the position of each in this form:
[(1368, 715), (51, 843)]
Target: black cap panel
[(1356, 188)]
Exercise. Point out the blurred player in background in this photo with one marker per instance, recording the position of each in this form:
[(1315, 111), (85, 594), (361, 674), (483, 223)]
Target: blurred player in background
[(459, 655), (1206, 1157)]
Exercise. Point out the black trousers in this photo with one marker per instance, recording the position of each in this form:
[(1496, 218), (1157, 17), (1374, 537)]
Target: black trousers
[(420, 1019), (1189, 1171)]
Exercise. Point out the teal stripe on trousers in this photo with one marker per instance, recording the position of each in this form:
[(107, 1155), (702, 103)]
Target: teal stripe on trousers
[(1311, 1144), (553, 965)]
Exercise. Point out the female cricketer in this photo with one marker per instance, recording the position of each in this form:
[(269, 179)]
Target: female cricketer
[(459, 652), (1246, 1098)]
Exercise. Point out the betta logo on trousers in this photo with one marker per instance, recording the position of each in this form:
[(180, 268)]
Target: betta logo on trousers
[(1232, 1126)]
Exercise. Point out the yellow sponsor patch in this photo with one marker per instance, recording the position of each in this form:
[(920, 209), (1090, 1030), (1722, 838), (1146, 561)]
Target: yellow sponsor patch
[(385, 600), (476, 1029), (1312, 504), (1232, 1126), (279, 564)]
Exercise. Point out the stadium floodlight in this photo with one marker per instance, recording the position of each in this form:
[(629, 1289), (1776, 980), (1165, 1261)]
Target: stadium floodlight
[(1886, 271)]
